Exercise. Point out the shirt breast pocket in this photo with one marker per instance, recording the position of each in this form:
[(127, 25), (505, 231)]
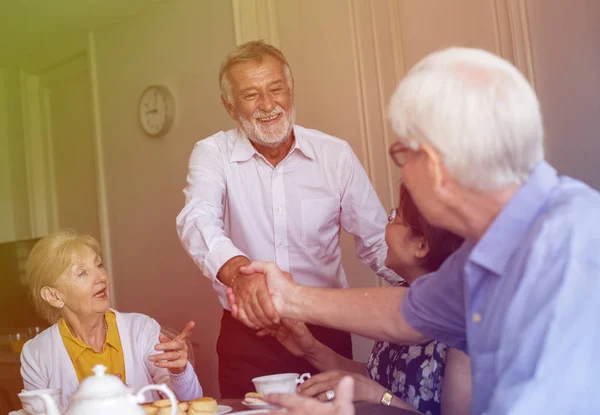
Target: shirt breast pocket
[(320, 221)]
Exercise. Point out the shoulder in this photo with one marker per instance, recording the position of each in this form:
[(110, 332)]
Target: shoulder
[(220, 142), (41, 343), (135, 322), (322, 141), (567, 223)]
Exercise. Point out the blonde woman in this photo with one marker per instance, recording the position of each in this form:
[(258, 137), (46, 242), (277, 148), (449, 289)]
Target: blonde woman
[(70, 289)]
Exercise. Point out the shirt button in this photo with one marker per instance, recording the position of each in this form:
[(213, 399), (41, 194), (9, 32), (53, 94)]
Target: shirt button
[(279, 209), (281, 243), (476, 317)]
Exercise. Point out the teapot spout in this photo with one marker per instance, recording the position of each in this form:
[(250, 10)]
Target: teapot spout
[(51, 408)]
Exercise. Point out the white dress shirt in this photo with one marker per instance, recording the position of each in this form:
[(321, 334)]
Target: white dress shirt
[(237, 203)]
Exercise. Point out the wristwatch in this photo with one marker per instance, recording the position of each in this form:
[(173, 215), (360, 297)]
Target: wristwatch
[(387, 398)]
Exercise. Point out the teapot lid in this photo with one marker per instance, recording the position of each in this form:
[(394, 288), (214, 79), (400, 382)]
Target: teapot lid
[(100, 385)]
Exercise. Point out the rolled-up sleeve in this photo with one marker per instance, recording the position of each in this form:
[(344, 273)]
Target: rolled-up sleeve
[(435, 306), (200, 224)]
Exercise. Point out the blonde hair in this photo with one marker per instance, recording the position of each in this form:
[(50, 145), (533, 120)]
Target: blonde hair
[(48, 260), (255, 50)]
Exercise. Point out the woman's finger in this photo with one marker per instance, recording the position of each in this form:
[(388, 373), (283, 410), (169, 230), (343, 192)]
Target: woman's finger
[(173, 364), (172, 345), (168, 356), (187, 330)]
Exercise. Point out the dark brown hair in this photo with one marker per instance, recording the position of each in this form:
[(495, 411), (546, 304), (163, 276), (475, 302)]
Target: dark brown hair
[(441, 243)]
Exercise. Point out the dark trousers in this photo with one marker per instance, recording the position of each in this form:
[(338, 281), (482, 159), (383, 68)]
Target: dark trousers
[(243, 355)]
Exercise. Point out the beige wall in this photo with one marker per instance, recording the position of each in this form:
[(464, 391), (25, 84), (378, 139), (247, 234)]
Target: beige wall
[(14, 217), (566, 58), (347, 57), (179, 44)]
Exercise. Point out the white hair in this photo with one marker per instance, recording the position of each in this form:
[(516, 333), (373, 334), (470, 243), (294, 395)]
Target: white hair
[(254, 50), (477, 110)]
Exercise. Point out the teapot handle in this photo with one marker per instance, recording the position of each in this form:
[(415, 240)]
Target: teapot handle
[(139, 397)]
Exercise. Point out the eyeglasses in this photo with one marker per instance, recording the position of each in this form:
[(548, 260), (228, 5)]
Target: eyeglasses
[(392, 215), (398, 153)]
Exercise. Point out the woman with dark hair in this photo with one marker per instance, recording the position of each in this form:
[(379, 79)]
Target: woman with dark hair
[(430, 377)]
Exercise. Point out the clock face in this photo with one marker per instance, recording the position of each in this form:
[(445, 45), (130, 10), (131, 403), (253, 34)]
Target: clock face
[(156, 110)]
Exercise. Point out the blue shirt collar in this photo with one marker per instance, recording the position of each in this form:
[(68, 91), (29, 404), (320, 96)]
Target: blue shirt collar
[(495, 249), (244, 150)]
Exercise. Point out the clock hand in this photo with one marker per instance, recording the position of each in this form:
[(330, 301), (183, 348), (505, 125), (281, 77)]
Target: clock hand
[(152, 111)]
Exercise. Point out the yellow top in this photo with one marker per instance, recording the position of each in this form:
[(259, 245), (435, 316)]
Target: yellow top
[(84, 357)]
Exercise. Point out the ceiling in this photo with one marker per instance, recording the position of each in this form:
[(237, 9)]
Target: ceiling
[(30, 25)]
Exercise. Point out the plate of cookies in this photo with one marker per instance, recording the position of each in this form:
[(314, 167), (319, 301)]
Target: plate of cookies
[(200, 406)]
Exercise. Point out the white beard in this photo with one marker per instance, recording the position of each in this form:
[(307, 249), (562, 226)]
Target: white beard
[(270, 136)]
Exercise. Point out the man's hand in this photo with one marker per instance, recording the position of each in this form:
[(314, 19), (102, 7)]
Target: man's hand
[(252, 301), (280, 287), (293, 335), (301, 405)]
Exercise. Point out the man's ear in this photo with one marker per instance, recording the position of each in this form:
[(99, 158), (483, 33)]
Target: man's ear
[(435, 166), (229, 108), (52, 297)]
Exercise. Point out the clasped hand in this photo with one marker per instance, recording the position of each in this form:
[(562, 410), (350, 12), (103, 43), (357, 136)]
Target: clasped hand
[(256, 297)]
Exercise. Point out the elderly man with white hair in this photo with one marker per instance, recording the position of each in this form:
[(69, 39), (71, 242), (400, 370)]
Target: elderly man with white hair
[(522, 294)]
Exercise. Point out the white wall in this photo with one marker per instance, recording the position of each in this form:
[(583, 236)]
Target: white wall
[(179, 44), (566, 57)]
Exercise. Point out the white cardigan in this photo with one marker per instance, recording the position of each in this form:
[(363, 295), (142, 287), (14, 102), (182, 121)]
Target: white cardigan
[(45, 362)]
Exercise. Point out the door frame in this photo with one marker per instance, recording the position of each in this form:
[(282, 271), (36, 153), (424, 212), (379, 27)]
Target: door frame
[(36, 73)]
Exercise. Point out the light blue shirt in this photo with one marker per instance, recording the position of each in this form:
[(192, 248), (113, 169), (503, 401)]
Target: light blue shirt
[(524, 302)]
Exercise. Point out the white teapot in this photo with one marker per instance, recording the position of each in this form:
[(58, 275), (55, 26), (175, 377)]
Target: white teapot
[(104, 394)]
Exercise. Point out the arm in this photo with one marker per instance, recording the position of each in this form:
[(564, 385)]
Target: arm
[(456, 386), (432, 308), (200, 224), (365, 389), (371, 312), (363, 216), (201, 230), (324, 359), (33, 377), (299, 341)]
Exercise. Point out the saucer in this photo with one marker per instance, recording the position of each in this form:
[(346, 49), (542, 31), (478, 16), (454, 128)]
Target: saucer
[(224, 409), (259, 405)]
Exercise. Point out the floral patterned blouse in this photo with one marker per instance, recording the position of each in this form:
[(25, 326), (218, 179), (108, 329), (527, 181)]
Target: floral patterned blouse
[(412, 373)]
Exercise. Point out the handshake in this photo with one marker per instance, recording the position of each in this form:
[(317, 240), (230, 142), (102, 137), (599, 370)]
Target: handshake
[(262, 295)]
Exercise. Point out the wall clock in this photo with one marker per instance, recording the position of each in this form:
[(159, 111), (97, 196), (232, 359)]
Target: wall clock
[(156, 110)]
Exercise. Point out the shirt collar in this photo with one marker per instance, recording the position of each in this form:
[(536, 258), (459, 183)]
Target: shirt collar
[(244, 150), (78, 347), (494, 250)]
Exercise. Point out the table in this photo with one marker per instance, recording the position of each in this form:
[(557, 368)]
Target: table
[(361, 408)]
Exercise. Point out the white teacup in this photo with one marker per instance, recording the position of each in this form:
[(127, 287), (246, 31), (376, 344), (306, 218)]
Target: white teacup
[(280, 383), (33, 403)]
